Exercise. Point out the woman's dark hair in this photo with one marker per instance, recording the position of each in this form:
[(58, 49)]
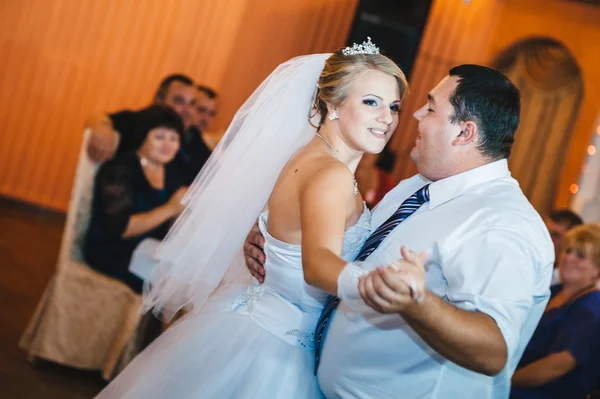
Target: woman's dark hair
[(157, 116)]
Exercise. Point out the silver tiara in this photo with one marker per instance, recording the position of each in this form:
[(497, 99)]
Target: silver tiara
[(366, 48)]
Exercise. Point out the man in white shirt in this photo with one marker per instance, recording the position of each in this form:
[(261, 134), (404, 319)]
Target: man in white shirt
[(488, 268)]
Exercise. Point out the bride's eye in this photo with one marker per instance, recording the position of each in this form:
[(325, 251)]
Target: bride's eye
[(395, 108), (370, 102)]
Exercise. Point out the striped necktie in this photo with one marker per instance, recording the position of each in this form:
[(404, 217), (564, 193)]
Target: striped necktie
[(407, 208)]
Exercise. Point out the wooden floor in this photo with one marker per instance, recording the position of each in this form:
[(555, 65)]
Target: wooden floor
[(29, 244)]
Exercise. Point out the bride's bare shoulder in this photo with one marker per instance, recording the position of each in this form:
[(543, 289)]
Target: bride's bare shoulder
[(325, 174), (315, 171)]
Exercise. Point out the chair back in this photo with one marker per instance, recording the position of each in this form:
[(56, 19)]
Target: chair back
[(80, 206)]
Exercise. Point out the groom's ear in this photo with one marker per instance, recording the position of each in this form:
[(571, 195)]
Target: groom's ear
[(468, 134)]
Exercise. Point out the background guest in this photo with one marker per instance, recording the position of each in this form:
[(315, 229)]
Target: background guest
[(206, 108), (176, 91), (562, 359), (197, 144), (136, 196), (559, 222)]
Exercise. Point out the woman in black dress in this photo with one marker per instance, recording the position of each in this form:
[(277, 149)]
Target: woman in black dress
[(136, 196)]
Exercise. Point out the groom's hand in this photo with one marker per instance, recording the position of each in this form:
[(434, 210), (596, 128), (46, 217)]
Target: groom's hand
[(392, 289), (254, 254)]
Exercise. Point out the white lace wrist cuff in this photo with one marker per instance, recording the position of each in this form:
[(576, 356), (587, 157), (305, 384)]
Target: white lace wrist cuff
[(348, 285)]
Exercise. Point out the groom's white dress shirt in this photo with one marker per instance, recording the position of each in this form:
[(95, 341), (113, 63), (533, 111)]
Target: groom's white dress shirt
[(490, 252)]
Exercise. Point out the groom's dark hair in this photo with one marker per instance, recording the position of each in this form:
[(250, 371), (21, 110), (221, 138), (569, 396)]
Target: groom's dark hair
[(488, 98)]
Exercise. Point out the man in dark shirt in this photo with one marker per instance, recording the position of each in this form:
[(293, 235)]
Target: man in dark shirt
[(193, 153), (196, 146), (206, 108), (176, 91)]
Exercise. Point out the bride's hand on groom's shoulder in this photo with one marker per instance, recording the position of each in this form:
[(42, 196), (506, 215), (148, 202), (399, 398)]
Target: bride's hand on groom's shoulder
[(393, 288), (254, 254)]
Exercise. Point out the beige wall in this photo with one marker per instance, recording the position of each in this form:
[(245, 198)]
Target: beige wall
[(576, 26), (64, 60), (458, 33)]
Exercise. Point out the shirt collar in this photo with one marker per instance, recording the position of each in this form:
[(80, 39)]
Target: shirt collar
[(451, 187)]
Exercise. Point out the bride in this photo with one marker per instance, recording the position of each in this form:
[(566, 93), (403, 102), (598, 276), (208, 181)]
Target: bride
[(250, 340)]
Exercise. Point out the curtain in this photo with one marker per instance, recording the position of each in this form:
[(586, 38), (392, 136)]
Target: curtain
[(551, 92)]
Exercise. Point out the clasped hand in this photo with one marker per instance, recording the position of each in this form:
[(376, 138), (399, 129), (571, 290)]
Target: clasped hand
[(394, 288)]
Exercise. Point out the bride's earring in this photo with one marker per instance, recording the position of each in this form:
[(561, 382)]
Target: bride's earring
[(333, 116)]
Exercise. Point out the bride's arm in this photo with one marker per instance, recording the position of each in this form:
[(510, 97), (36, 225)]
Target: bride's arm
[(326, 204)]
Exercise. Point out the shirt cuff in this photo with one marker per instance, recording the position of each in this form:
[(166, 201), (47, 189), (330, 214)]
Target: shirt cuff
[(509, 317)]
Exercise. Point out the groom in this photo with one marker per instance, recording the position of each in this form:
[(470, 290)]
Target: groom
[(489, 259)]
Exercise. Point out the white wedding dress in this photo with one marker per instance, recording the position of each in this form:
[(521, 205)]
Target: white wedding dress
[(247, 341)]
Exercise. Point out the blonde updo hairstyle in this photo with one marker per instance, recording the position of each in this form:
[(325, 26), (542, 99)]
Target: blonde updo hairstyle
[(342, 71)]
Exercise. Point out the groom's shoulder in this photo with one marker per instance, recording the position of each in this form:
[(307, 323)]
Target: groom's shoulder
[(502, 206), (502, 198)]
